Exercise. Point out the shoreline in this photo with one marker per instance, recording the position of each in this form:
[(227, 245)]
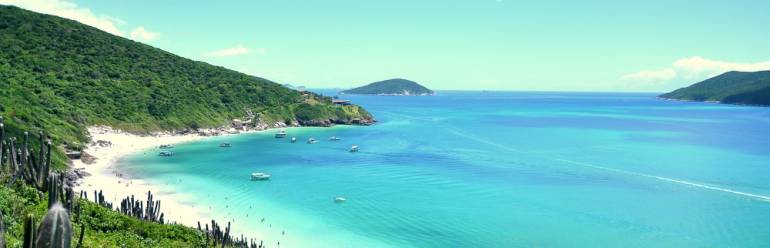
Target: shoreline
[(104, 174)]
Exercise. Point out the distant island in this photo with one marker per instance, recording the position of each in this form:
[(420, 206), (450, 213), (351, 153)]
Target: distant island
[(397, 86), (749, 88)]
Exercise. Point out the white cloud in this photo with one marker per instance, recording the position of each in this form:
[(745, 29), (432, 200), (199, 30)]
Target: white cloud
[(686, 71), (141, 34), (232, 51), (696, 67), (69, 10), (651, 75)]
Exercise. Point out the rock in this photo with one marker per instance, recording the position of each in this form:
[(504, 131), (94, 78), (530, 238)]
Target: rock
[(103, 143), (87, 158)]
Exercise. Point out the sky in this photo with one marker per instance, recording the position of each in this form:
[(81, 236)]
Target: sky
[(649, 46)]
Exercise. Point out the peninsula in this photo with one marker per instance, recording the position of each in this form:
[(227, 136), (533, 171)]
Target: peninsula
[(734, 87)]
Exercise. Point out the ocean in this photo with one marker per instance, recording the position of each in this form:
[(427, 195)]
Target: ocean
[(493, 169)]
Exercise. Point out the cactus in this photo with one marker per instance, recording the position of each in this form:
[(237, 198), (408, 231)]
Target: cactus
[(78, 213), (2, 229), (42, 165), (12, 160), (47, 168), (53, 190), (69, 199), (55, 231), (29, 232), (227, 234), (2, 141), (80, 239), (24, 152)]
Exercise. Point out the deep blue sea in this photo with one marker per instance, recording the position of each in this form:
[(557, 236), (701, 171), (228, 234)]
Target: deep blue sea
[(495, 169)]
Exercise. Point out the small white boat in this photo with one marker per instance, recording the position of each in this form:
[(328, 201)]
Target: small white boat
[(166, 153), (259, 176), (167, 146), (225, 144), (280, 134), (312, 141), (334, 138), (340, 199), (354, 148), (293, 139)]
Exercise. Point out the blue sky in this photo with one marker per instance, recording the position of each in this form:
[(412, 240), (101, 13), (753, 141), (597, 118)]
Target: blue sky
[(493, 45)]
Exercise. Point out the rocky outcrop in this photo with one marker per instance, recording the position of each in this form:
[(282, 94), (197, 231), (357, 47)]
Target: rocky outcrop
[(332, 122)]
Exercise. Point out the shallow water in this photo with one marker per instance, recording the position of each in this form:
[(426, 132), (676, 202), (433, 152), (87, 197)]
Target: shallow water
[(495, 169)]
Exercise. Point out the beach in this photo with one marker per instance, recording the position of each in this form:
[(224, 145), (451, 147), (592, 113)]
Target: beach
[(116, 185)]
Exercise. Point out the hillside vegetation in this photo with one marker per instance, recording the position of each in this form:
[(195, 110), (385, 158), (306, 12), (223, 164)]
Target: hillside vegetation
[(62, 76), (751, 88), (396, 86)]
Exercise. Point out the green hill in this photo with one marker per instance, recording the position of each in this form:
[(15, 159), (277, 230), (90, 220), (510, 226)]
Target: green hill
[(751, 88), (391, 87), (62, 76)]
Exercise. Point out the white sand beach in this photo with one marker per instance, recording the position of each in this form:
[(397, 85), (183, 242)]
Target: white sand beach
[(116, 186)]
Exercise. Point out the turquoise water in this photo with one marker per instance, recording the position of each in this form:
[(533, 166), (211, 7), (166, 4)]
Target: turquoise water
[(496, 169)]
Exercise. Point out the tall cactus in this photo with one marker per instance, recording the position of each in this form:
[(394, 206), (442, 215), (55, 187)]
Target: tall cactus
[(227, 235), (12, 159), (29, 232), (53, 190), (47, 167), (42, 172), (24, 149), (2, 231), (56, 230), (80, 240), (2, 141)]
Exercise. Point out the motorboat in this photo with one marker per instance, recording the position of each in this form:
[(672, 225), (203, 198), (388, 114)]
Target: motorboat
[(166, 146), (225, 144), (280, 134), (334, 138), (166, 153), (293, 139), (312, 141), (354, 148), (340, 199), (259, 176)]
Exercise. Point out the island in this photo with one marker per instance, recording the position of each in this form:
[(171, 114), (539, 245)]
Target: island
[(734, 87), (396, 86)]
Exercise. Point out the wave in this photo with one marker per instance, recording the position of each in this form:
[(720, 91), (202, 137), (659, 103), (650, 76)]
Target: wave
[(673, 180), (458, 132)]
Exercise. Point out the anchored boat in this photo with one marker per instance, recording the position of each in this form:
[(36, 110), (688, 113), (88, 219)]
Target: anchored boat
[(334, 138), (340, 199), (225, 144), (166, 153), (354, 148), (293, 139), (312, 141), (259, 176), (280, 134)]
